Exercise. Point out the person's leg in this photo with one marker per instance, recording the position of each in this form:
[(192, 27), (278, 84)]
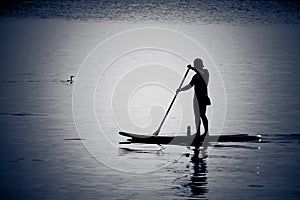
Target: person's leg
[(197, 115), (204, 118)]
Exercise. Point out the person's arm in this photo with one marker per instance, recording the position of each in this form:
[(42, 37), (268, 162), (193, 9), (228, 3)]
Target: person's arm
[(187, 87)]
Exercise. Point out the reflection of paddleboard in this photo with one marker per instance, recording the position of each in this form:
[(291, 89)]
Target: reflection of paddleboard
[(188, 140)]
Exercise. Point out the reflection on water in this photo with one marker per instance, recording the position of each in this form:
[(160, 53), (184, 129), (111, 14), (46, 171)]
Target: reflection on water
[(199, 182)]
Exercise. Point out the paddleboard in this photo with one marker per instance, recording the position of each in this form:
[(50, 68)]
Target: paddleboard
[(188, 140)]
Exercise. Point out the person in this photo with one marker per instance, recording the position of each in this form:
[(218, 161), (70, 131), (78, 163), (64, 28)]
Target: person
[(201, 100)]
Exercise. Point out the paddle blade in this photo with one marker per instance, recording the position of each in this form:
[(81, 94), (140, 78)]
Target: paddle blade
[(156, 132)]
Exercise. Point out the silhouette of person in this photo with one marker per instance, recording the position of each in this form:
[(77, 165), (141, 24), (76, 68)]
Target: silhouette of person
[(201, 100)]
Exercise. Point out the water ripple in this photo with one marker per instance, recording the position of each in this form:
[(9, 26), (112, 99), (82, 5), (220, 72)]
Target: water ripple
[(232, 12)]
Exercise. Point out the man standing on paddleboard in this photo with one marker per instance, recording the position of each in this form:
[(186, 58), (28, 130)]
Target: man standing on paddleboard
[(201, 99)]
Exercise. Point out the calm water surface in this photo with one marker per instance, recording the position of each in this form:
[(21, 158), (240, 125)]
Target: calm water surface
[(43, 156)]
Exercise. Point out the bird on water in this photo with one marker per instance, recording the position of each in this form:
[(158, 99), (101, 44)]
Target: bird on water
[(70, 80)]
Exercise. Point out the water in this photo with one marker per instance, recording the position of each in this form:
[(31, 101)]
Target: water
[(187, 11), (45, 156)]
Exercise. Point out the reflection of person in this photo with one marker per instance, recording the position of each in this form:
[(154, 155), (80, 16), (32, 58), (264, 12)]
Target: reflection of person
[(201, 99), (199, 183)]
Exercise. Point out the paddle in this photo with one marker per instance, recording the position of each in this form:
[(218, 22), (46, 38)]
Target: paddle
[(161, 124)]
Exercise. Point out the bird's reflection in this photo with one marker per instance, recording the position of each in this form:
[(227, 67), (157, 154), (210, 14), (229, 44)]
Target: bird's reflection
[(198, 184)]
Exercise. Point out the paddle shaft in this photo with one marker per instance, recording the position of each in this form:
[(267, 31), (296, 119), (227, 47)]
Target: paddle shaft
[(161, 124)]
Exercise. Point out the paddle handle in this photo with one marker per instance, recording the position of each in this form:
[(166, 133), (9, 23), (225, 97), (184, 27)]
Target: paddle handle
[(161, 124), (185, 75)]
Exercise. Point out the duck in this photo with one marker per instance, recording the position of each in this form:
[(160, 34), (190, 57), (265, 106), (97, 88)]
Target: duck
[(71, 79)]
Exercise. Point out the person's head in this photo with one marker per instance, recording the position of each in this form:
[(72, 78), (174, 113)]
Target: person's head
[(198, 64)]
